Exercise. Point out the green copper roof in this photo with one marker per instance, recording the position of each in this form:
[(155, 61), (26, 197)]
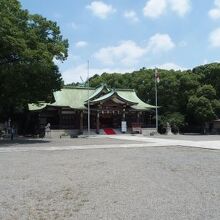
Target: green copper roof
[(132, 96), (99, 90), (104, 97), (114, 94), (73, 98), (38, 106), (76, 98)]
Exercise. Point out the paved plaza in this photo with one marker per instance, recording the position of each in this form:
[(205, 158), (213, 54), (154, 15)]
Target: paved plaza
[(116, 177)]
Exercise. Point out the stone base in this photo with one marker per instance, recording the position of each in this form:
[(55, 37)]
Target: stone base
[(62, 133), (149, 131), (169, 133)]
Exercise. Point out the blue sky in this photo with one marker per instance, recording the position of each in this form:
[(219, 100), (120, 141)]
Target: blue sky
[(126, 35)]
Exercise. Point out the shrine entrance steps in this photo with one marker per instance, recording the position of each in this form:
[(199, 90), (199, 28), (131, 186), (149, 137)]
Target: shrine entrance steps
[(109, 131)]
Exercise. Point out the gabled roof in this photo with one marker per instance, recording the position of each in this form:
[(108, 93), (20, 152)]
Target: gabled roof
[(103, 98), (114, 95), (73, 97), (132, 96), (102, 89), (77, 97)]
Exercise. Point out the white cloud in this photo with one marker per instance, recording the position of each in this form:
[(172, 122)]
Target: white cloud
[(217, 3), (129, 53), (214, 38), (81, 44), (74, 74), (214, 13), (126, 53), (131, 15), (156, 8), (160, 43), (181, 7), (100, 9), (170, 66)]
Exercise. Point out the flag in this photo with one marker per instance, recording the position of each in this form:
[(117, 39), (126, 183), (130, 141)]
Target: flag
[(157, 76)]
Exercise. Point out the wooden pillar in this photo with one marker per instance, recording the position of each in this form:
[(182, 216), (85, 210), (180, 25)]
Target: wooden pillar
[(60, 125), (138, 117), (27, 122), (97, 123), (81, 123), (123, 116)]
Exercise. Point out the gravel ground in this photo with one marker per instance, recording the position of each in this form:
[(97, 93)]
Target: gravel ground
[(138, 183), (189, 137), (24, 142)]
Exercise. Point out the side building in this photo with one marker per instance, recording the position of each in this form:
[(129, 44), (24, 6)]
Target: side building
[(107, 109)]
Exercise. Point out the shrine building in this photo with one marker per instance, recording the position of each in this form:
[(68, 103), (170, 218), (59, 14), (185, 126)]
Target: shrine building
[(108, 108)]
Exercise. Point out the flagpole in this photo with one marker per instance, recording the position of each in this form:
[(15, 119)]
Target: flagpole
[(156, 98), (88, 102)]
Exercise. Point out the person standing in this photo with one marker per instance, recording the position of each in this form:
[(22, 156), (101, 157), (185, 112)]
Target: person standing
[(47, 130), (12, 133)]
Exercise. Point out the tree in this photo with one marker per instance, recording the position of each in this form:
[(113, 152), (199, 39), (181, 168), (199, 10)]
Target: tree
[(188, 85), (203, 105), (201, 109), (209, 74), (29, 44), (186, 97), (175, 119), (168, 90), (206, 91)]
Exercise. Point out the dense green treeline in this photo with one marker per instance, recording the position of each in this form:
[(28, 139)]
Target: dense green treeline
[(189, 97), (29, 44)]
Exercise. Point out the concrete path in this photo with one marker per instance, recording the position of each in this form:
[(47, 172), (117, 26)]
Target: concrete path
[(118, 141), (160, 142)]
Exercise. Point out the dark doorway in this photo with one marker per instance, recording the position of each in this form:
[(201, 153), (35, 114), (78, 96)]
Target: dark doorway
[(106, 121)]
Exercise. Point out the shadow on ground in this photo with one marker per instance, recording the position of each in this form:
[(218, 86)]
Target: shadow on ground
[(8, 142)]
